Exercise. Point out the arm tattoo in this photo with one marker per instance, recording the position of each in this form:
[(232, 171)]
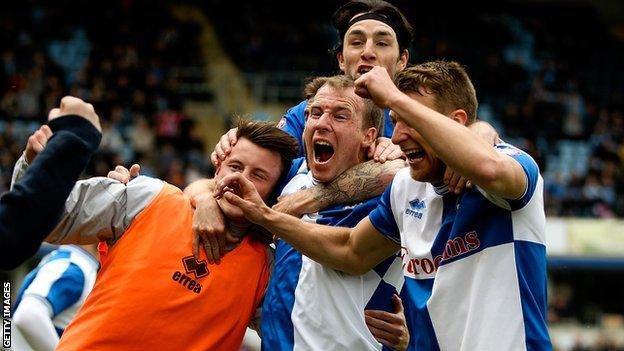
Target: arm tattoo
[(357, 184)]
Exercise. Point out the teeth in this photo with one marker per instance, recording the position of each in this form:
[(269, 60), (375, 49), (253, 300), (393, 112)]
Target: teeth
[(324, 143), (412, 154)]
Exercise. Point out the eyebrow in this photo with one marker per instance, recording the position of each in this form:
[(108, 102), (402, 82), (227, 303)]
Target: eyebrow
[(377, 33)]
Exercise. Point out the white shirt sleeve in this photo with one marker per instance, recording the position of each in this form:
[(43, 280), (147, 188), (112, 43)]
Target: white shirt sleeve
[(101, 209), (33, 318)]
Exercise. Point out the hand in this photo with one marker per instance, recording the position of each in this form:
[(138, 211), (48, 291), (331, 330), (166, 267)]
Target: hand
[(390, 329), (123, 175), (209, 228), (485, 131), (223, 147), (37, 142), (298, 203), (377, 85), (240, 192), (384, 150), (455, 181), (74, 106)]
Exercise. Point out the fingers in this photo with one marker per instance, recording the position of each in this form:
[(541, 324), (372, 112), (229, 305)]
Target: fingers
[(74, 106), (196, 247), (224, 146), (47, 132), (215, 159), (384, 332), (380, 155), (231, 182), (135, 169), (397, 303), (37, 142), (214, 249), (54, 113)]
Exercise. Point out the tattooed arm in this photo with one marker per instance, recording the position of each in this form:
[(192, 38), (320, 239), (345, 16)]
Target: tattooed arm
[(359, 183)]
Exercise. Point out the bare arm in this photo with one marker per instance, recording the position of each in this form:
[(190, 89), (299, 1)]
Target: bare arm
[(357, 184), (352, 250), (457, 146)]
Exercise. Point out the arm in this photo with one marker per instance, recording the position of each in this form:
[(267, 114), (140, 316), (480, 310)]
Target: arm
[(357, 184), (101, 209), (455, 145), (352, 250), (209, 223), (31, 210), (33, 318)]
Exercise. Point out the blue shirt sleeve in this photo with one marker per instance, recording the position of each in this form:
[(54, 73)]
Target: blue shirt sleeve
[(67, 289), (388, 126), (383, 219), (531, 170), (293, 123)]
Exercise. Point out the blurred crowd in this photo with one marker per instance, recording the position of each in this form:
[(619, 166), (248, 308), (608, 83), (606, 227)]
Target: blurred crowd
[(118, 56), (533, 85)]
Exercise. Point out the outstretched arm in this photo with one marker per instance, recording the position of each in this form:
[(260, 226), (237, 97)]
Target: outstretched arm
[(357, 184), (352, 250)]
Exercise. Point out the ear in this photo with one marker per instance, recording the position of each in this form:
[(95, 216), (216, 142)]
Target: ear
[(341, 62), (460, 116), (370, 135), (403, 60)]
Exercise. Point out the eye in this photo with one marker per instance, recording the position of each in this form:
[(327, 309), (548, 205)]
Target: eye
[(235, 167), (341, 117), (382, 43), (260, 176), (316, 113)]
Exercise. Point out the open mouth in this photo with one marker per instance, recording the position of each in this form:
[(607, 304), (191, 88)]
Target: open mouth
[(414, 155), (323, 151), (363, 69)]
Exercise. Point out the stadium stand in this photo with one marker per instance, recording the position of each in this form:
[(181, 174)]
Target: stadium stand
[(166, 80)]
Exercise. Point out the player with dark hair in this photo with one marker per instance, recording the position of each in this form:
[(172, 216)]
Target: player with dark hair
[(151, 292)]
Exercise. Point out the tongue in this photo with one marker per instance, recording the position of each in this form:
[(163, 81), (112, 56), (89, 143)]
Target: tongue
[(324, 155)]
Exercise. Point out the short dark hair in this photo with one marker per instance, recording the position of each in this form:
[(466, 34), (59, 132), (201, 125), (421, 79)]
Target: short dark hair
[(268, 136), (447, 81), (372, 116), (402, 27)]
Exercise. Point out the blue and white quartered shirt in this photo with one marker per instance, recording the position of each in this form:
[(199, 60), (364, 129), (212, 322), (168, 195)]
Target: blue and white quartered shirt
[(311, 307), (62, 280), (474, 264)]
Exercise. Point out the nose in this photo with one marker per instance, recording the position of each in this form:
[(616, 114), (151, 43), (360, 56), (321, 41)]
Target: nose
[(369, 51), (399, 133), (323, 123)]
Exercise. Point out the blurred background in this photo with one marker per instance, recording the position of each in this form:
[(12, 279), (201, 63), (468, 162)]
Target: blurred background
[(167, 79)]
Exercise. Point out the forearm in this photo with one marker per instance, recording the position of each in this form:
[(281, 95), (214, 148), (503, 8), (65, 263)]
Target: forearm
[(457, 146), (327, 245), (198, 187), (357, 184)]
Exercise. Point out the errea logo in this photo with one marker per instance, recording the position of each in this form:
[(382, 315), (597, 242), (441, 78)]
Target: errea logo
[(417, 207), (191, 266)]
